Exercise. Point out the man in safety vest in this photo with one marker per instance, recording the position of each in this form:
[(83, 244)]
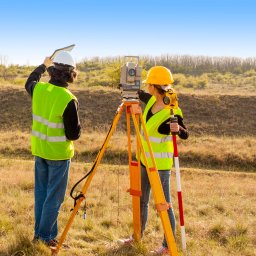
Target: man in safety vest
[(159, 128), (55, 125)]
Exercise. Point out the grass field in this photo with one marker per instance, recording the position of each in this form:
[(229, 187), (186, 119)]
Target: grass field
[(218, 165), (219, 212), (208, 151)]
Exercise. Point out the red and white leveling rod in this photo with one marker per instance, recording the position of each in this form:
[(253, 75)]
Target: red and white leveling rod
[(178, 182)]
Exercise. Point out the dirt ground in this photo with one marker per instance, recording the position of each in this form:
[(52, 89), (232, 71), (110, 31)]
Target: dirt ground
[(230, 115)]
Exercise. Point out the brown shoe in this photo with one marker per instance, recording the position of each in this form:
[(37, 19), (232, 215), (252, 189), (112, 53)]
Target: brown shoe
[(127, 241), (161, 251), (54, 242), (35, 240)]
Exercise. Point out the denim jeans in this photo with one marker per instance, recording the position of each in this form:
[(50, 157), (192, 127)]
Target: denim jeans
[(144, 200), (50, 186)]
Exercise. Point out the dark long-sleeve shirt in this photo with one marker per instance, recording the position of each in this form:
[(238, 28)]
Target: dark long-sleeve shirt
[(70, 116), (164, 128)]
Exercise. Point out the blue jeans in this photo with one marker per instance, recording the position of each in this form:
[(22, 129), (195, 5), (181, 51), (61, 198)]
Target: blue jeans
[(144, 200), (51, 179)]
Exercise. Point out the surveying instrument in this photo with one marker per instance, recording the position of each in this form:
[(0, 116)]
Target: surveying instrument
[(130, 82), (171, 102)]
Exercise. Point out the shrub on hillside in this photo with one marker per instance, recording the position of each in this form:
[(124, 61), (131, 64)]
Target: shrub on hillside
[(250, 73), (202, 82), (179, 79), (196, 82)]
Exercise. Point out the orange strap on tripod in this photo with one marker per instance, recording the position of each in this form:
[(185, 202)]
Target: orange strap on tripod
[(134, 192), (162, 207)]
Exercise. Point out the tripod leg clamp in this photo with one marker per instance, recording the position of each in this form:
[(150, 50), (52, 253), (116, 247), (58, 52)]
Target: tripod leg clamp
[(153, 169), (134, 192), (162, 207)]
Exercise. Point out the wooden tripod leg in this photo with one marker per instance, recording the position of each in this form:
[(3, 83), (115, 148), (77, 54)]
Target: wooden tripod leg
[(157, 189), (135, 192), (89, 179), (135, 181)]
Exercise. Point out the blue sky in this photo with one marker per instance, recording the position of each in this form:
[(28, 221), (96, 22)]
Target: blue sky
[(32, 29)]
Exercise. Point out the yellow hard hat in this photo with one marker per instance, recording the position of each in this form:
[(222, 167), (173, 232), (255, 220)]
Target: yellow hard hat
[(159, 75)]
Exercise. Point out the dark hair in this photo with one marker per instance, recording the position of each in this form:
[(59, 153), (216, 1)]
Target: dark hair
[(62, 74), (159, 89)]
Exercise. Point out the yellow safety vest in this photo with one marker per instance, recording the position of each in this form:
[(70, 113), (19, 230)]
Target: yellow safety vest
[(161, 144), (48, 138)]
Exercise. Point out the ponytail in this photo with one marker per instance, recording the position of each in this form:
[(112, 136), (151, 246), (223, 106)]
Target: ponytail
[(159, 89)]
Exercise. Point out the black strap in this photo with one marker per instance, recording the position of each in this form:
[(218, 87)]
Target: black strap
[(92, 169)]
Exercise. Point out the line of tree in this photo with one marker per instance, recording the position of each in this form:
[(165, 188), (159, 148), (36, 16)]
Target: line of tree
[(197, 65), (185, 64), (179, 64)]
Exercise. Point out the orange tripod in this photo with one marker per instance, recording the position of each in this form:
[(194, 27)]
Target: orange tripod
[(133, 110)]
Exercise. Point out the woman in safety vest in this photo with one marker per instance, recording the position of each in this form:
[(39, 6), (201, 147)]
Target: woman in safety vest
[(159, 128), (55, 125)]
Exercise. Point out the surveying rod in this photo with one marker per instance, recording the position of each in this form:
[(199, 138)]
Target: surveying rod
[(178, 182)]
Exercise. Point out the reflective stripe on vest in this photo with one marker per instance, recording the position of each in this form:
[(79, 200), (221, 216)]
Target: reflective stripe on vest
[(160, 155), (49, 138), (156, 139), (47, 123)]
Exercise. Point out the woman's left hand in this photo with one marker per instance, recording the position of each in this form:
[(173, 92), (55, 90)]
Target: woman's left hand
[(174, 127), (48, 62)]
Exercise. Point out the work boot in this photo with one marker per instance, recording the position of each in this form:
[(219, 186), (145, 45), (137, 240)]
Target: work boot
[(54, 242), (35, 240), (161, 251), (126, 241)]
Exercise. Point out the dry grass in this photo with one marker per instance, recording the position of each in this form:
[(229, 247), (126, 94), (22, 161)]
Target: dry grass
[(222, 89), (224, 152), (219, 209), (219, 213), (212, 89)]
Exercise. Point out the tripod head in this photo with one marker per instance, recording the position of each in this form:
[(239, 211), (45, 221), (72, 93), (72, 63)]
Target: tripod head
[(130, 79)]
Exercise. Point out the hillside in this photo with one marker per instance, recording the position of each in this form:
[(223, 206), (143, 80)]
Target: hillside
[(222, 128), (230, 115), (217, 204)]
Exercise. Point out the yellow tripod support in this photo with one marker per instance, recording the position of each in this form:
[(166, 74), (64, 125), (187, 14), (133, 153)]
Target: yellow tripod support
[(132, 110)]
